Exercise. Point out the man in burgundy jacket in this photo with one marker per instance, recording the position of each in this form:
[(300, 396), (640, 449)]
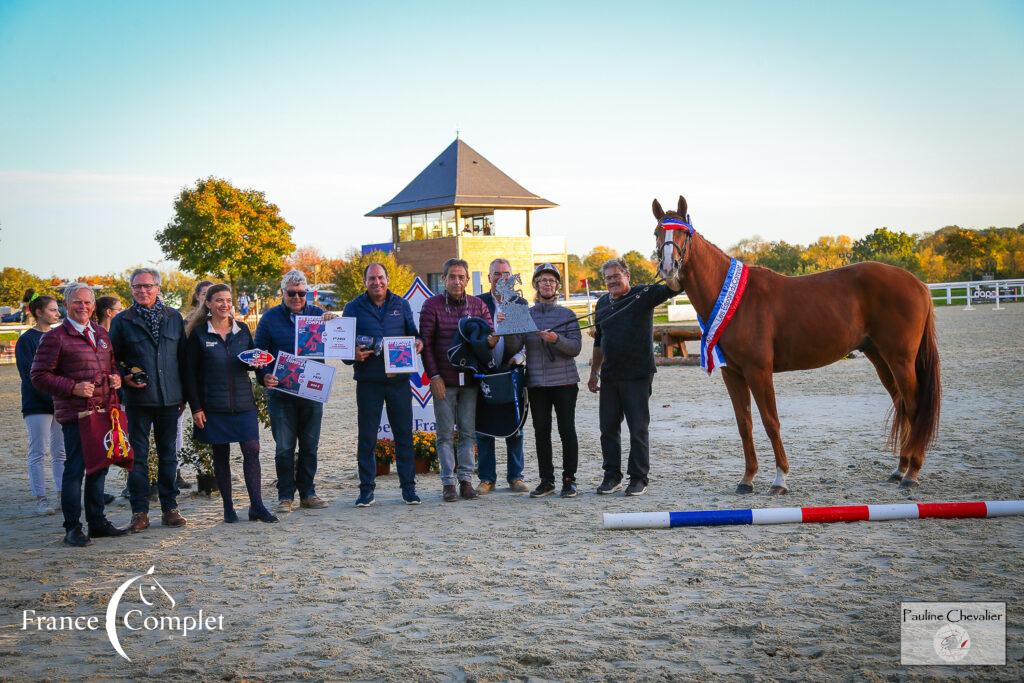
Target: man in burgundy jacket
[(74, 363), (454, 392)]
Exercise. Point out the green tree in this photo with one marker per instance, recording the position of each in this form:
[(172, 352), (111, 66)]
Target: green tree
[(226, 232), (782, 257), (14, 282), (964, 248), (888, 246), (641, 268), (349, 281)]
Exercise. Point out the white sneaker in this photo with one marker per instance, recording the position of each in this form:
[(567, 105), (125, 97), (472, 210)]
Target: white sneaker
[(43, 507)]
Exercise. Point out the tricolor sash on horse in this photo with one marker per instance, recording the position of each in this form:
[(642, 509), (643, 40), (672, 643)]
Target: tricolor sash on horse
[(721, 315)]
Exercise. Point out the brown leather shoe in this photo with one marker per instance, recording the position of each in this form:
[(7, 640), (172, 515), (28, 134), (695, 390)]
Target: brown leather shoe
[(519, 486), (140, 522), (484, 488), (449, 494), (312, 503), (173, 518), (466, 490)]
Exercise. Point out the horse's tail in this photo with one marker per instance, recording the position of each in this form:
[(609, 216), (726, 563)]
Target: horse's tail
[(929, 390)]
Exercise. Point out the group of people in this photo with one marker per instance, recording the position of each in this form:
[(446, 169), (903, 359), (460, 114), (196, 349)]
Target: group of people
[(153, 361)]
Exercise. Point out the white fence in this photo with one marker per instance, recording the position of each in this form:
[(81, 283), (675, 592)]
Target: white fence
[(975, 292)]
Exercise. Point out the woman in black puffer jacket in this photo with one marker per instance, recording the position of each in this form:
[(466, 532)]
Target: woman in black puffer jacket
[(219, 392)]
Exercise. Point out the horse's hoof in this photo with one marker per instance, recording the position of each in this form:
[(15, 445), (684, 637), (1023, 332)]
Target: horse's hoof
[(778, 491), (895, 477), (907, 484), (745, 488)]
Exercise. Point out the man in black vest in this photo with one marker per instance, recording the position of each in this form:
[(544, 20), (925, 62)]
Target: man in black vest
[(150, 336)]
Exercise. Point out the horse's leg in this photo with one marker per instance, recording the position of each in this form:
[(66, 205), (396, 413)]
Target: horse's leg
[(905, 375), (763, 389), (739, 392), (885, 375)]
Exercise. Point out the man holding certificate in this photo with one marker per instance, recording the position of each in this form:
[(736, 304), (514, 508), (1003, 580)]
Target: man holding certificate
[(379, 313), (294, 421)]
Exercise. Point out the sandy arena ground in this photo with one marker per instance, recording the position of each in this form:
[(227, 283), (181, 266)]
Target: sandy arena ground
[(509, 588)]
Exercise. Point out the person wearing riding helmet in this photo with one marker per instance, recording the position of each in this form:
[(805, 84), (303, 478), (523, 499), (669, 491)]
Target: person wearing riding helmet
[(552, 380)]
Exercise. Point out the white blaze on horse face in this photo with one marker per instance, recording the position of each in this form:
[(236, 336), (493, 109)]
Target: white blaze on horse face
[(667, 252), (780, 478)]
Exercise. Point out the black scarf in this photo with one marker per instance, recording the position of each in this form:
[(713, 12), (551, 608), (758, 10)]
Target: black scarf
[(153, 317)]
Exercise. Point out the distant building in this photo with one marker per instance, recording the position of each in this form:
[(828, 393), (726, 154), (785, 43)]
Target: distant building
[(463, 206)]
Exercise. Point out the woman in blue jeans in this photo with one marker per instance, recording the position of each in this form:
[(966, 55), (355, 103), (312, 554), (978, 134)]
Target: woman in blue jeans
[(37, 407)]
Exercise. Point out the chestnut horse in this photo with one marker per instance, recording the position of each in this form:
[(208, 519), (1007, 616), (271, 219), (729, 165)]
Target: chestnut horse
[(798, 323)]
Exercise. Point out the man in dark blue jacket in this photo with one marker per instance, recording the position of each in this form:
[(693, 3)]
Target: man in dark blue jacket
[(509, 350), (380, 313), (151, 336), (293, 420)]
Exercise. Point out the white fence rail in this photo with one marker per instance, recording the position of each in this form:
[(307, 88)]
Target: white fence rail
[(978, 291)]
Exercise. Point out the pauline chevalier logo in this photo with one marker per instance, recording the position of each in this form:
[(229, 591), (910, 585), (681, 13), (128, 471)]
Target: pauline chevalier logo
[(152, 595)]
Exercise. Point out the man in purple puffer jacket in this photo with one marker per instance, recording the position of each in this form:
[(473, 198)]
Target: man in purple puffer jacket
[(454, 392), (75, 363)]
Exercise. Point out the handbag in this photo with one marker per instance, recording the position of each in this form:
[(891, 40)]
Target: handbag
[(104, 434)]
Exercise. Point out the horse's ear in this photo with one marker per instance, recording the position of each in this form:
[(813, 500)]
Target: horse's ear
[(681, 210), (659, 213)]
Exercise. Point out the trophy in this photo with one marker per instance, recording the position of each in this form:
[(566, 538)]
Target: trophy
[(509, 301)]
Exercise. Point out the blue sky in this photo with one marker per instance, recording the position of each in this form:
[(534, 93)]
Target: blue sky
[(789, 120)]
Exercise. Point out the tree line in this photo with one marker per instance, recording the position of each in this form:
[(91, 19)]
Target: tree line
[(236, 235)]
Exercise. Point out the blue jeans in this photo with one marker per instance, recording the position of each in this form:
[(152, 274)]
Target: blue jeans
[(458, 409), (71, 484), (371, 398), (486, 461), (164, 424), (294, 421)]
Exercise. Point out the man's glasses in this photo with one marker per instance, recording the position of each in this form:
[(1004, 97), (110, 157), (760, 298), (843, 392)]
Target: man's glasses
[(547, 281), (296, 294), (144, 287)]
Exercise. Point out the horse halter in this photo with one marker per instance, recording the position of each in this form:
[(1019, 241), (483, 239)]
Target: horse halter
[(674, 257)]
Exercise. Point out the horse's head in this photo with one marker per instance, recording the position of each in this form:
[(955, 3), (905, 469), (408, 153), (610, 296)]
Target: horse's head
[(672, 234)]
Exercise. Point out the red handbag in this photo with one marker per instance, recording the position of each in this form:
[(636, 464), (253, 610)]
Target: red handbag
[(104, 434)]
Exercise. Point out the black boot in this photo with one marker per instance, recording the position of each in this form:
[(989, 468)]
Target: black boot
[(106, 530), (75, 538), (261, 514)]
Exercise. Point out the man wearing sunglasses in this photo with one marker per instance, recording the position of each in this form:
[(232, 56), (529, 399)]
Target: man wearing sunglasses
[(294, 421)]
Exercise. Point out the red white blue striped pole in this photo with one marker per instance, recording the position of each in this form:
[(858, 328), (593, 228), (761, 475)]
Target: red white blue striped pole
[(836, 513)]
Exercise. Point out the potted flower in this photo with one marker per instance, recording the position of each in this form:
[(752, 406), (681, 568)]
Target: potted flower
[(424, 450), (384, 454)]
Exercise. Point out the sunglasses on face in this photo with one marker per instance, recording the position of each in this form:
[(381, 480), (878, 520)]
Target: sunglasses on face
[(296, 294)]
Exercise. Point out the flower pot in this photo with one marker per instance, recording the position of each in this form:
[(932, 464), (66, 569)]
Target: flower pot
[(206, 483), (383, 469), (422, 465)]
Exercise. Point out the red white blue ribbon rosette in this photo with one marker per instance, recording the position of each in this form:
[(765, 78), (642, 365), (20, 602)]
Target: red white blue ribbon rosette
[(721, 315)]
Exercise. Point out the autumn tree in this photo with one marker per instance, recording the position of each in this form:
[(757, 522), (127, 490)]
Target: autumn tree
[(14, 282), (312, 262), (749, 249), (828, 252), (641, 269), (576, 274), (349, 281), (227, 232), (592, 263)]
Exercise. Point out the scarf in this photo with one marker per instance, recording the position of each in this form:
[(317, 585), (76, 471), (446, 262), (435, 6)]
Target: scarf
[(152, 316)]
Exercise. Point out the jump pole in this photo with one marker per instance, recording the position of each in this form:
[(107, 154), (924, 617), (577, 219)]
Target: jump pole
[(836, 513)]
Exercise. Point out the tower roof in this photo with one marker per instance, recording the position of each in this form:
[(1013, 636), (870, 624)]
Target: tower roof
[(460, 176)]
